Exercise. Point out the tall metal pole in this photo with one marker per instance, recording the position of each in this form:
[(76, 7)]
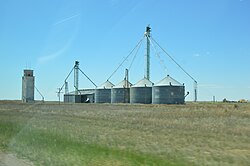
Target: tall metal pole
[(66, 87), (76, 76), (195, 91), (147, 58), (126, 79), (195, 82), (59, 95)]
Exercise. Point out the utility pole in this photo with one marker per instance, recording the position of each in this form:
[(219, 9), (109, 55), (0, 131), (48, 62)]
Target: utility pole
[(59, 95)]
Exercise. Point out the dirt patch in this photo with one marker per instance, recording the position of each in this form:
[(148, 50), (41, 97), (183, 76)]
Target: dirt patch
[(12, 160)]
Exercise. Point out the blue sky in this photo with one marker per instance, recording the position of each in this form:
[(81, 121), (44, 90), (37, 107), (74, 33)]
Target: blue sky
[(210, 39)]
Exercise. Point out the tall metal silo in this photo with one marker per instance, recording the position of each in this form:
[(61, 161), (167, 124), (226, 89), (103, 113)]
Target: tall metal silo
[(141, 92), (168, 91), (103, 93), (121, 92)]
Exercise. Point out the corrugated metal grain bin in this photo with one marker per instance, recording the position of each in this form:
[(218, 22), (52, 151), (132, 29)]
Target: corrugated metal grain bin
[(103, 93), (168, 91), (141, 92), (121, 92)]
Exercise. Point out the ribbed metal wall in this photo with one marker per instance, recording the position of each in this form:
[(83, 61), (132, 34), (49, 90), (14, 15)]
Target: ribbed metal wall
[(141, 95), (168, 91), (168, 94), (103, 96), (120, 95), (103, 93), (121, 92), (141, 92), (72, 98), (68, 98)]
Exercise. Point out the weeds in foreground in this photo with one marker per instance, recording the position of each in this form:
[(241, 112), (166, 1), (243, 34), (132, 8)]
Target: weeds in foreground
[(92, 134)]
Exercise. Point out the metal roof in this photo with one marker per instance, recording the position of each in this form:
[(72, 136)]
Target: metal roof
[(106, 85), (123, 84), (83, 92), (167, 81), (143, 83)]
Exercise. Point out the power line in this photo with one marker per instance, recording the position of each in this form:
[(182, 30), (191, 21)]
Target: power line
[(134, 56), (174, 61), (88, 78), (125, 58), (39, 93), (159, 57), (60, 89), (195, 82)]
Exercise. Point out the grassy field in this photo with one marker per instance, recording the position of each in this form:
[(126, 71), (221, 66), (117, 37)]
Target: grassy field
[(105, 134)]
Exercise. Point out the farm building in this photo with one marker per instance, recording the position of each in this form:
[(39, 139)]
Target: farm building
[(83, 96), (166, 91)]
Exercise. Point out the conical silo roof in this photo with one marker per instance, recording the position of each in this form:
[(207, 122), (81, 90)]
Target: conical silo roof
[(167, 81), (143, 83), (123, 84), (106, 85)]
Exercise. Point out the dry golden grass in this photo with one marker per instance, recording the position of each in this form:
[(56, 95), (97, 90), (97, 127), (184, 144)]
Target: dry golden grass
[(191, 134)]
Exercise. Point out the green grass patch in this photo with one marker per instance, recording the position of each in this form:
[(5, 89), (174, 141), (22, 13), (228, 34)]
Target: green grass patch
[(8, 130), (46, 148)]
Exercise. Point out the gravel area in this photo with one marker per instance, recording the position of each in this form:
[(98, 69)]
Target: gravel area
[(12, 160)]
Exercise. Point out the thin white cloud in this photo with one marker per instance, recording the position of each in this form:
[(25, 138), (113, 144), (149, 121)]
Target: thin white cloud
[(197, 55), (201, 55), (52, 56), (66, 19)]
